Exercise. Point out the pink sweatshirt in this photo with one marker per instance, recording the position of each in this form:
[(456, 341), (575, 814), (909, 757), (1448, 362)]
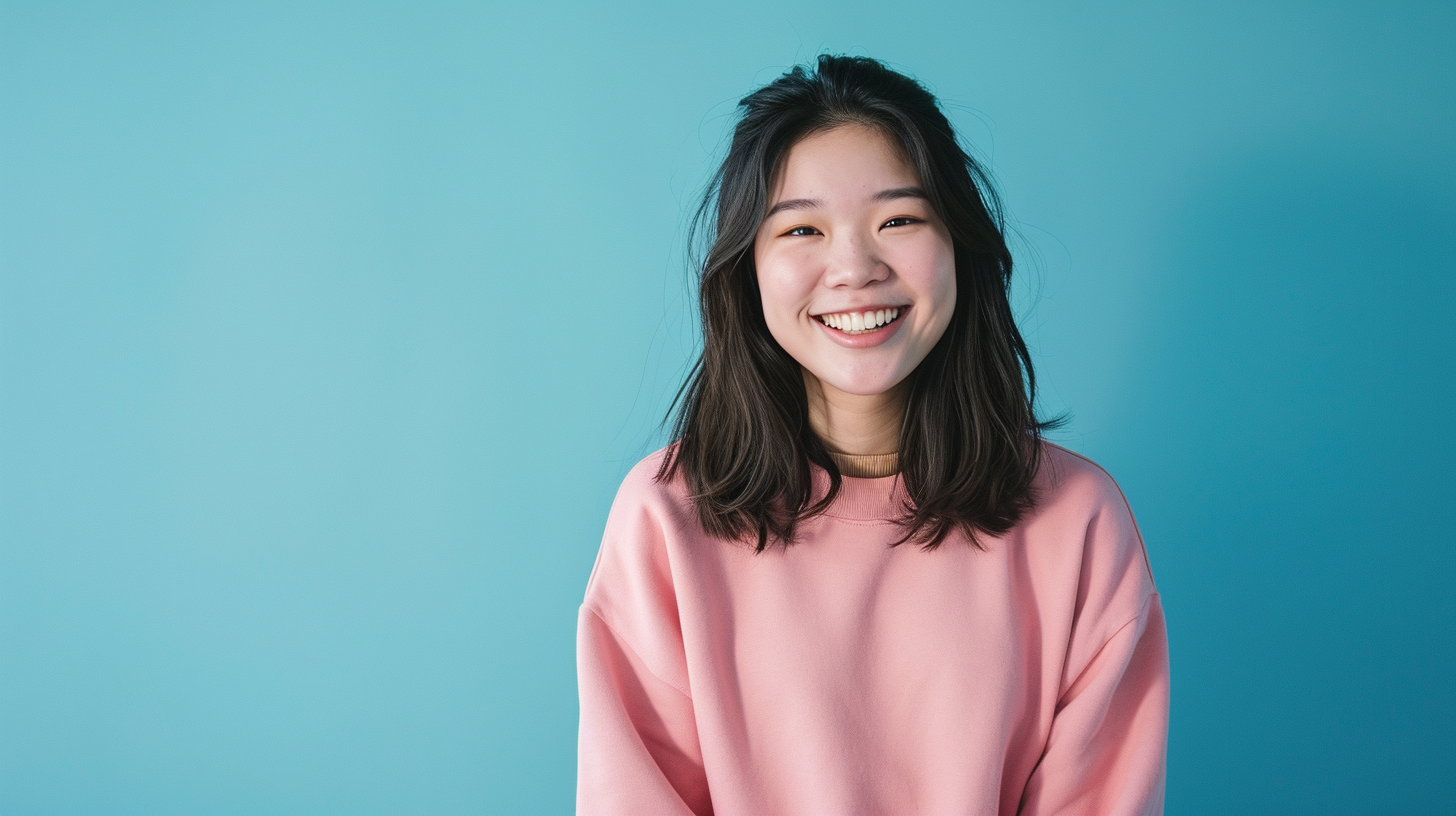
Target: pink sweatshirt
[(842, 676)]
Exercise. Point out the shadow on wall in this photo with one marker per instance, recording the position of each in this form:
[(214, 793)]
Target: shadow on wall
[(1292, 427)]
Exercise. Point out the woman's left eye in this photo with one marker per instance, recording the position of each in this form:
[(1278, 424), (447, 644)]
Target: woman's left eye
[(901, 221)]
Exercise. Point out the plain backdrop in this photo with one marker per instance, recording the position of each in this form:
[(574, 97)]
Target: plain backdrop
[(327, 332)]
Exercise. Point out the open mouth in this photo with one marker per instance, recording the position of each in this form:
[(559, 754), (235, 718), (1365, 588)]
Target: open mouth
[(861, 322)]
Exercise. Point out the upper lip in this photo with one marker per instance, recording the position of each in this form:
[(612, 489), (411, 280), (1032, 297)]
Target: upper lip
[(874, 307)]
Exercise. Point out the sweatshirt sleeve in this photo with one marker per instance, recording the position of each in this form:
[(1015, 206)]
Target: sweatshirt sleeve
[(1108, 745), (1106, 751), (637, 748), (638, 745)]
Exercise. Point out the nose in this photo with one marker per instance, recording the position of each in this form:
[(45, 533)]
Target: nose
[(853, 263)]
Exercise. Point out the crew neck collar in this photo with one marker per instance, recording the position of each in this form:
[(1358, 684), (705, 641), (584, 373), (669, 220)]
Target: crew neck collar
[(880, 498), (867, 465)]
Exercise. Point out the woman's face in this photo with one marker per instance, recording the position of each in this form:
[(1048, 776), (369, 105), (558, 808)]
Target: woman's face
[(856, 272)]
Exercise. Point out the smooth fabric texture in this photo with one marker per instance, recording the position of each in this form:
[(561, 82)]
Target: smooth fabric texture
[(844, 676)]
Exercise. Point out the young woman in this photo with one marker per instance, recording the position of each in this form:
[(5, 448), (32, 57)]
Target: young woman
[(860, 582)]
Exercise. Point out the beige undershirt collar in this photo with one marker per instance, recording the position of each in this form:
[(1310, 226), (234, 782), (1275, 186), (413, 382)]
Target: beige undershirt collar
[(868, 465)]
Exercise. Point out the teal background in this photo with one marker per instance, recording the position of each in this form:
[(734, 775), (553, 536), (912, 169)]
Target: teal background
[(328, 330)]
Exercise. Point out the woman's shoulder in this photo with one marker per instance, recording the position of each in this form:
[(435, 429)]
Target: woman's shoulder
[(1067, 477), (652, 507), (650, 483), (632, 586), (634, 539), (1076, 496)]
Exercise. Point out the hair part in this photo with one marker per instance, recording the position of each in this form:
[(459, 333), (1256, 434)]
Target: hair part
[(969, 440)]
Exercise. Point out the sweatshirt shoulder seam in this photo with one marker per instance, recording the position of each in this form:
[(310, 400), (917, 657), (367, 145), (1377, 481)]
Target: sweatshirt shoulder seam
[(627, 644), (1143, 610)]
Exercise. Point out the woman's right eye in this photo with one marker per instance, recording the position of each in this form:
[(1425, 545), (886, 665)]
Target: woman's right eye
[(801, 231)]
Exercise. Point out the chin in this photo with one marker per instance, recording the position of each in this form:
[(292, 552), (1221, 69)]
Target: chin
[(863, 386)]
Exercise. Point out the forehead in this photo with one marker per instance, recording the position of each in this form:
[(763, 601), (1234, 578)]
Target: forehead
[(844, 160)]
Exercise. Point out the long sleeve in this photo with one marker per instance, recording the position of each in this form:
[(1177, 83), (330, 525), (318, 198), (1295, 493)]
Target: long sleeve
[(638, 743), (1108, 745), (637, 751)]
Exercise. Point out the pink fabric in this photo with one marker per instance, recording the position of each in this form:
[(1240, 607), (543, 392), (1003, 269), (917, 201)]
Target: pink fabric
[(842, 676)]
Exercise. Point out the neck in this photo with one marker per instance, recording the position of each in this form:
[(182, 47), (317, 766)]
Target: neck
[(855, 424)]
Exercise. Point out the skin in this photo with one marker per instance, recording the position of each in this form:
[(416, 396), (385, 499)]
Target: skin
[(839, 238)]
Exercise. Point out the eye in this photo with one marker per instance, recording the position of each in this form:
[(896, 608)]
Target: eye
[(802, 231), (901, 221)]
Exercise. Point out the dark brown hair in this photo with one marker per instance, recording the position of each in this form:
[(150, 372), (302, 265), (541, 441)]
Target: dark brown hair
[(969, 440)]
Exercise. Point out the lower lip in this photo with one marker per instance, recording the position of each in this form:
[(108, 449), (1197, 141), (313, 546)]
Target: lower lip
[(868, 339)]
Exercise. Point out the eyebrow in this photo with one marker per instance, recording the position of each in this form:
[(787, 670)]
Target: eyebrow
[(901, 192), (810, 203)]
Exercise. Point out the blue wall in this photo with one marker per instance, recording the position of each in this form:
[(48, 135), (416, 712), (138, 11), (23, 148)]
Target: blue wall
[(327, 331)]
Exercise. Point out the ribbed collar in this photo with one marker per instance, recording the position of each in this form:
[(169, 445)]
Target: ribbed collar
[(867, 465), (875, 499)]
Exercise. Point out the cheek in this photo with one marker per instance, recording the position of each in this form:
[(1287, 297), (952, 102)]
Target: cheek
[(784, 285), (932, 273), (945, 298), (946, 289)]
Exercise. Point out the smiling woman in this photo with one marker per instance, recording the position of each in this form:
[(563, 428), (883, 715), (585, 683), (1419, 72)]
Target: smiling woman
[(857, 278), (754, 639)]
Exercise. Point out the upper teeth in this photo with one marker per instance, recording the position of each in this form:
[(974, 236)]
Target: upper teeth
[(859, 321)]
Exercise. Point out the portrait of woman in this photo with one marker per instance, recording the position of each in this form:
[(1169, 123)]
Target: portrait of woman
[(810, 409), (859, 580)]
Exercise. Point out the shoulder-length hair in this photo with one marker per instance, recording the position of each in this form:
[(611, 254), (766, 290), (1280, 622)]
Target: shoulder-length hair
[(969, 440)]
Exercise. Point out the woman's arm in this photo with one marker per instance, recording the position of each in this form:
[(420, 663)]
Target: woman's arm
[(637, 749), (1106, 749), (1108, 745), (638, 744)]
